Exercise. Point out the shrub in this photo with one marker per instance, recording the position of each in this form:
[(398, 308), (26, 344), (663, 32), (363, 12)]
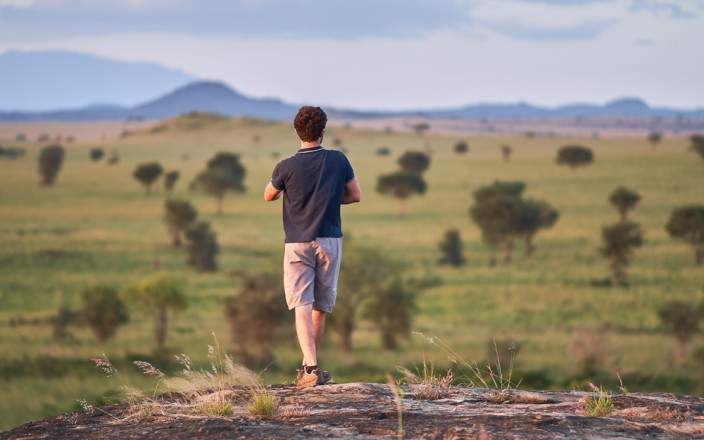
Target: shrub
[(147, 174), (420, 128), (103, 311), (620, 240), (96, 153), (114, 158), (697, 144), (170, 180), (178, 215), (681, 320), (383, 151), (391, 311), (624, 200), (258, 302), (654, 138), (367, 271), (574, 156), (158, 295), (461, 147), (535, 215), (451, 249), (506, 151), (414, 162), (20, 137), (223, 173), (51, 158), (202, 247), (687, 223)]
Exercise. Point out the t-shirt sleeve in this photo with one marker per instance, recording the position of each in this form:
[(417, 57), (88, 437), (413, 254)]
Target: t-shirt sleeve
[(277, 177), (347, 169)]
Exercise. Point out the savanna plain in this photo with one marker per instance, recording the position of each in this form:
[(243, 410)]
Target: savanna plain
[(96, 225)]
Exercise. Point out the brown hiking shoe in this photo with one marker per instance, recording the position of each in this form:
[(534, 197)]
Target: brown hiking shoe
[(306, 380)]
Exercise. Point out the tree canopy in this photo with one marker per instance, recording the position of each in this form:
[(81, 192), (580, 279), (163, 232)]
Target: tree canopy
[(574, 156)]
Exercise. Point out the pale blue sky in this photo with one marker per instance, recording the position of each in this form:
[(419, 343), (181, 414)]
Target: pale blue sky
[(392, 54)]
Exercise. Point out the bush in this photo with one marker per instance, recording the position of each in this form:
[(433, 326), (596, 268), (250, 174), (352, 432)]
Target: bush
[(506, 151), (50, 160), (681, 320), (96, 153), (383, 151), (697, 144), (178, 215), (461, 147), (170, 180), (401, 185), (451, 249), (202, 247), (256, 315), (391, 311), (620, 240), (687, 223), (103, 311), (574, 156)]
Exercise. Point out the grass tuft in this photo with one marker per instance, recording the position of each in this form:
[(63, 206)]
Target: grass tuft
[(263, 404), (600, 404)]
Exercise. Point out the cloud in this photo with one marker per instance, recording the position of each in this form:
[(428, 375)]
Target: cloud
[(667, 9)]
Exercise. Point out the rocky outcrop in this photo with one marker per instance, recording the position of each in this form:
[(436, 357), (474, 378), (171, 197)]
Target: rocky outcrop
[(364, 410)]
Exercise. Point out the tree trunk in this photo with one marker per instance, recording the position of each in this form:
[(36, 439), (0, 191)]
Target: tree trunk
[(160, 327), (699, 254), (508, 250), (529, 246), (176, 238), (619, 272), (681, 352), (624, 214), (388, 340), (346, 340), (219, 199), (149, 189)]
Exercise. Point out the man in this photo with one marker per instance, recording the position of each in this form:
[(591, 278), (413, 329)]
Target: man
[(315, 182)]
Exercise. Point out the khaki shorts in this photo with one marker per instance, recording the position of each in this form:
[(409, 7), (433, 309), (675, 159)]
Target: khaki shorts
[(311, 270)]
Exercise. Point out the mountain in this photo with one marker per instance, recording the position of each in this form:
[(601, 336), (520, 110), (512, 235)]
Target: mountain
[(56, 79), (215, 97), (623, 107)]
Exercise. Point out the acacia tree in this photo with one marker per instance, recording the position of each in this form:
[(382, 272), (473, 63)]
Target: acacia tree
[(506, 151), (697, 144), (420, 128), (159, 295), (414, 162), (147, 173), (401, 185), (681, 320), (255, 315), (574, 156), (451, 249), (51, 158), (391, 310), (202, 246), (461, 147), (535, 215), (103, 311), (367, 271), (496, 211), (620, 240), (178, 216), (624, 200), (687, 223), (223, 173), (170, 180)]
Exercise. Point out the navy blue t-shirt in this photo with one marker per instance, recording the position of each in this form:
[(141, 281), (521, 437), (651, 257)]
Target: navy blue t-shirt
[(313, 181)]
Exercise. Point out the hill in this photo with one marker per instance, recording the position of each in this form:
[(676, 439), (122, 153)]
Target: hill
[(41, 81), (368, 410)]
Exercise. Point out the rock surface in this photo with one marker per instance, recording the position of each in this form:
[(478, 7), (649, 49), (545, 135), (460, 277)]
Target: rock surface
[(363, 410)]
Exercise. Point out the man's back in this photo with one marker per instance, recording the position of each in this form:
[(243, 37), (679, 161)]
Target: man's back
[(313, 181)]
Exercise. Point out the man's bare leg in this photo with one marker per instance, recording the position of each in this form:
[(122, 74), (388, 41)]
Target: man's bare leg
[(318, 328), (306, 335)]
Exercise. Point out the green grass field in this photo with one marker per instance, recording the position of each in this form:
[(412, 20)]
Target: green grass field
[(97, 225)]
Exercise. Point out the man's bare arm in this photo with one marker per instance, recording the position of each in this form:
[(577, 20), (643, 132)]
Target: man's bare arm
[(271, 193), (353, 193)]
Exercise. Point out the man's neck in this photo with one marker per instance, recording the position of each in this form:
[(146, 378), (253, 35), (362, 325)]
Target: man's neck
[(313, 144)]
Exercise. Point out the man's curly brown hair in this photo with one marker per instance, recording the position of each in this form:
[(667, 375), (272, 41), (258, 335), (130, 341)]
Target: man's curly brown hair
[(310, 123)]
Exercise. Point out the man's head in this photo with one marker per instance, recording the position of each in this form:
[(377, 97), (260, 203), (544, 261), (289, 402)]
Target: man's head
[(310, 123)]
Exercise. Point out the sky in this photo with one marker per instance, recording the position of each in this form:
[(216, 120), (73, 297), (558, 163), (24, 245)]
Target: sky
[(392, 54)]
